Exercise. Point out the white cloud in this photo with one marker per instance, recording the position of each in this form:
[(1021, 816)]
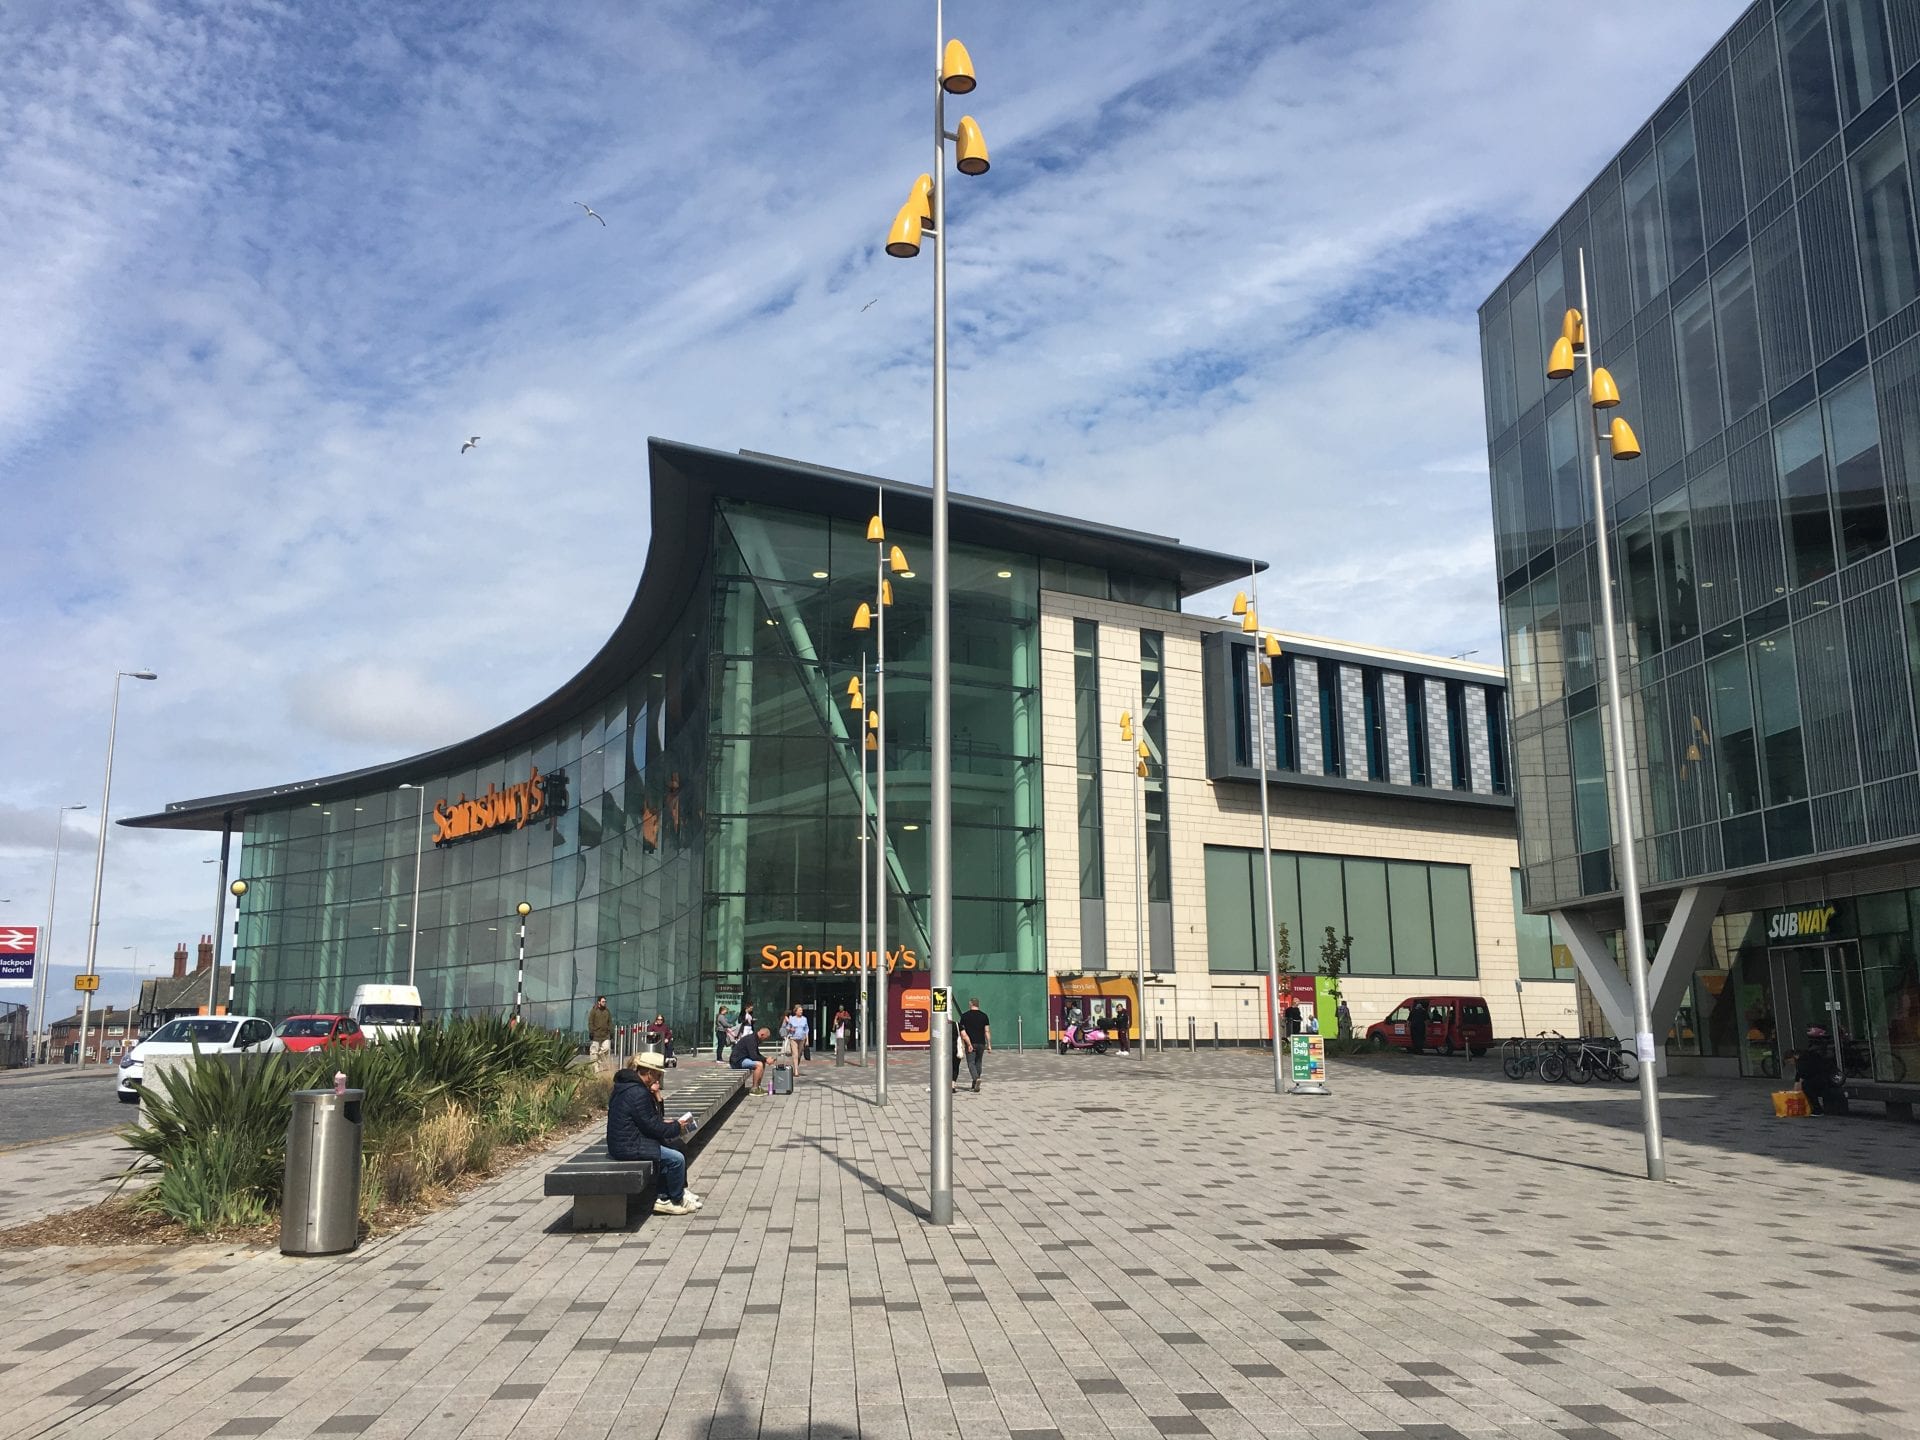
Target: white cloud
[(268, 265)]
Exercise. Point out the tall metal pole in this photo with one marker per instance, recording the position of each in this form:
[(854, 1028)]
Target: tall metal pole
[(220, 916), (1622, 803), (419, 843), (940, 1098), (860, 743), (520, 971), (1266, 843), (1139, 879), (100, 855), (883, 990), (46, 936)]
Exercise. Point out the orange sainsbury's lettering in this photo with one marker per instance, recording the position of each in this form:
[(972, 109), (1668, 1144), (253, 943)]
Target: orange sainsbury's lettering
[(497, 809)]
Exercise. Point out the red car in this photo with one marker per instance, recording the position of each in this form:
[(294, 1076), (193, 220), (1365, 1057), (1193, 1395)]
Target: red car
[(313, 1032), (1447, 1023)]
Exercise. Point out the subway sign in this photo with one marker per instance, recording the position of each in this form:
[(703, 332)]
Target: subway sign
[(1810, 924), (509, 809)]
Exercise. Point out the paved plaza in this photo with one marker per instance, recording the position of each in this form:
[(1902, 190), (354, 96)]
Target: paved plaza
[(1143, 1249)]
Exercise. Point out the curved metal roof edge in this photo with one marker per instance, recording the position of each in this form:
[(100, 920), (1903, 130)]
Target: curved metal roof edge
[(676, 548)]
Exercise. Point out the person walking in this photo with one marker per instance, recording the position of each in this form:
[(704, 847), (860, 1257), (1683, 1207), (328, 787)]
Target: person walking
[(600, 1032), (1343, 1019), (959, 1042), (638, 1129), (722, 1032), (979, 1034), (793, 1031), (842, 1033), (1121, 1023)]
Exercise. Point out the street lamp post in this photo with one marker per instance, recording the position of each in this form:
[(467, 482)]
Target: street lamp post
[(863, 742), (1264, 655), (1603, 394), (46, 936), (100, 851), (926, 209), (523, 909), (239, 889), (887, 559), (419, 843)]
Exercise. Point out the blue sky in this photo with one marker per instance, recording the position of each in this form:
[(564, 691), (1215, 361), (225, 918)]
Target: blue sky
[(268, 264)]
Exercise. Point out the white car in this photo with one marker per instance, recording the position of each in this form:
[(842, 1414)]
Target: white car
[(213, 1034)]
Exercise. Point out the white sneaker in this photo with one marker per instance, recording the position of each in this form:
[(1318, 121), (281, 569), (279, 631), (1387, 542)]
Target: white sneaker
[(691, 1199), (667, 1207)]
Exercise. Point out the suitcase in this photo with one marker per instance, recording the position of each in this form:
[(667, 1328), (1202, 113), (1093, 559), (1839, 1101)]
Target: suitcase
[(783, 1079)]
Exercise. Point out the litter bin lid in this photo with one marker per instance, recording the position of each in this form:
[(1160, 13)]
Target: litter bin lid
[(322, 1097)]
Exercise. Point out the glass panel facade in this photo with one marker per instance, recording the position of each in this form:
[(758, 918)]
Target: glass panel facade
[(700, 815), (1086, 731), (1754, 263)]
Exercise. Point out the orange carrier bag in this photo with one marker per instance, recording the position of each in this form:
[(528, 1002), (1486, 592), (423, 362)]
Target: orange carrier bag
[(1787, 1103)]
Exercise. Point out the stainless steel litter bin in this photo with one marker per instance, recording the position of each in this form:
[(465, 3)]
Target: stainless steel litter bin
[(320, 1201)]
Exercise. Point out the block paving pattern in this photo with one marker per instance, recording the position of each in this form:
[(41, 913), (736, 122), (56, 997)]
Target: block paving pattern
[(1145, 1248)]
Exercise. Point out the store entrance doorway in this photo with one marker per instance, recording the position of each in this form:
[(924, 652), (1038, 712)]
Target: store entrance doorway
[(821, 996), (1824, 992)]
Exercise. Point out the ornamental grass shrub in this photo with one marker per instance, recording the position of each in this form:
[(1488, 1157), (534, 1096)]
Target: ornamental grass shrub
[(437, 1104)]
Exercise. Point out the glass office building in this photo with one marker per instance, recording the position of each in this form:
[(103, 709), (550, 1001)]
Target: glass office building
[(1753, 266), (683, 816)]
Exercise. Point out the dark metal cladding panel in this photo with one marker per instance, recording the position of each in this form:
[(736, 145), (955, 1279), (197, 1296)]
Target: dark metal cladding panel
[(1833, 273), (1784, 344), (1880, 683)]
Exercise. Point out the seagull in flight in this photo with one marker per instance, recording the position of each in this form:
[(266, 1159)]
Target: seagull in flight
[(473, 441), (869, 305), (590, 210)]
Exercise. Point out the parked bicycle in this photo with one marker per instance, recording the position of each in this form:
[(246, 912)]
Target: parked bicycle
[(1525, 1054), (1604, 1057)]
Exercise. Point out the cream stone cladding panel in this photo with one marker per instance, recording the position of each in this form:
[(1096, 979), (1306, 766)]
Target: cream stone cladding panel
[(1201, 813)]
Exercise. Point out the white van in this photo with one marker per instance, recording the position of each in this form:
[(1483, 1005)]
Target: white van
[(385, 1010)]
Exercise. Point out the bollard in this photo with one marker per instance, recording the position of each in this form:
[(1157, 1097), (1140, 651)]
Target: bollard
[(1160, 1034), (1216, 1034), (1019, 1033), (1192, 1043)]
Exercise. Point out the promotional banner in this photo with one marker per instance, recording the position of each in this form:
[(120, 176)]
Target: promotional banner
[(19, 946), (1309, 1071)]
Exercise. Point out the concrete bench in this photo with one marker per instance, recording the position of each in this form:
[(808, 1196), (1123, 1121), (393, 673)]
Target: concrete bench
[(1897, 1098), (602, 1189)]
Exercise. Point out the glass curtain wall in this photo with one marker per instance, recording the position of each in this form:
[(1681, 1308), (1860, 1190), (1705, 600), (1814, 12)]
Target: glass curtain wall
[(1087, 732), (1765, 331), (614, 878)]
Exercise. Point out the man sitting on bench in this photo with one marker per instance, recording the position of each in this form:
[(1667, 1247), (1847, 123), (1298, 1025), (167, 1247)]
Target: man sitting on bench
[(637, 1129), (746, 1056)]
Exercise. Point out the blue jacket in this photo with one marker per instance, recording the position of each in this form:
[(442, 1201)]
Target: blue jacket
[(635, 1126)]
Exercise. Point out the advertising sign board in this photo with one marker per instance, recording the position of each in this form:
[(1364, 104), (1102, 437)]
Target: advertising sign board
[(19, 945)]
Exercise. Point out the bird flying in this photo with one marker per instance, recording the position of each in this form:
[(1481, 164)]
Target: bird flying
[(869, 305), (590, 210), (471, 442)]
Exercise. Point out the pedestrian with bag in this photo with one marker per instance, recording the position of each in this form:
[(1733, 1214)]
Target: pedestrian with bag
[(722, 1032)]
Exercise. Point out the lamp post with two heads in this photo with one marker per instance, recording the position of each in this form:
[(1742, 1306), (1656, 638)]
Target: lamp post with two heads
[(100, 851), (888, 560)]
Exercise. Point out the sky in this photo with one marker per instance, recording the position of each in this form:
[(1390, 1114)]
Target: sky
[(265, 264)]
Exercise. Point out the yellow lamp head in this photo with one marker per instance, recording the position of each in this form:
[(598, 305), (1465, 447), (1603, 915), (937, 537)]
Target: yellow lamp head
[(876, 532), (1273, 647), (873, 741), (873, 719), (1249, 623), (1143, 752), (1626, 445), (971, 147), (896, 559), (523, 909), (956, 70), (1573, 330), (1606, 394), (1239, 602), (239, 888), (1693, 753), (863, 617), (1126, 725), (1560, 362), (855, 703), (853, 686), (886, 592), (920, 199), (1141, 769), (903, 240), (1266, 673)]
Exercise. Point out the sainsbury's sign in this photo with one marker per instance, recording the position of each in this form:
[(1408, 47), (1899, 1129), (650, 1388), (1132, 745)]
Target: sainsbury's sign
[(498, 809)]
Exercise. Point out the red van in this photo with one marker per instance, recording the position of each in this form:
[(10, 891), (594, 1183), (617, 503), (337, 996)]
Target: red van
[(1447, 1023)]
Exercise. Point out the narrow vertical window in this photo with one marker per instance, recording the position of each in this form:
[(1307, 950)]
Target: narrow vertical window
[(1646, 233), (1859, 490), (1153, 729), (1808, 61), (1376, 724), (1680, 179), (1861, 56), (1497, 739), (1417, 730), (1332, 756), (1739, 317), (1804, 503), (1883, 203), (1457, 735), (1699, 366), (1086, 718)]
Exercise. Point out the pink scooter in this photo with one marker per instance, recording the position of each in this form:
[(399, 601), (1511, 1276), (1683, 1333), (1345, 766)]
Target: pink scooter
[(1082, 1037)]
